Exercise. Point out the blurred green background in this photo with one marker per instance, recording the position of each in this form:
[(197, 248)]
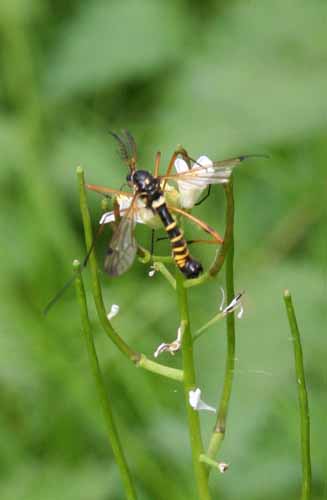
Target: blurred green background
[(221, 78)]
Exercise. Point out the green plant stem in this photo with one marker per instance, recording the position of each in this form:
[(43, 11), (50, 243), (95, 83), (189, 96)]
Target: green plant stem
[(200, 471), (159, 266), (303, 398), (211, 463), (146, 257), (220, 427), (166, 371), (207, 325), (112, 433), (137, 358), (96, 289), (228, 237)]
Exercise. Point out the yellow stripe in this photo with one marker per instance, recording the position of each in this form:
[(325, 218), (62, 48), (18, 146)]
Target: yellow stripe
[(179, 249), (181, 263), (171, 226), (158, 203), (182, 256), (176, 238)]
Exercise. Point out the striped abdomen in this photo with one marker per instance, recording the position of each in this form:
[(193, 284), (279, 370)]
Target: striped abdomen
[(190, 267)]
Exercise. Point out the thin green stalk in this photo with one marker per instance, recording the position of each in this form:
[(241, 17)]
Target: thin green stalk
[(303, 398), (96, 289), (102, 391), (228, 237), (159, 266), (220, 427), (200, 471), (138, 358), (166, 371), (146, 257), (207, 325)]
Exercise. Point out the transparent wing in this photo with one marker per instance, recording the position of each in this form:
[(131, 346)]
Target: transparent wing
[(123, 247), (216, 173)]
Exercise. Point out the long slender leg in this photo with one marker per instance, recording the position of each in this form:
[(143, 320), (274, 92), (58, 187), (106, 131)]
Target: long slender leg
[(157, 164), (205, 197), (179, 151), (216, 236), (68, 283), (210, 242), (105, 190), (152, 242)]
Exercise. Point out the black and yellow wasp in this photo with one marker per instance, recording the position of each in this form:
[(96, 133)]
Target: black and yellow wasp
[(149, 190)]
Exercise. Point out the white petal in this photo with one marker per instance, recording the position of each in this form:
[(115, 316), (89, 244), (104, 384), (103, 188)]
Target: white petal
[(124, 202), (189, 194), (113, 311), (197, 403), (181, 165), (107, 217), (204, 161)]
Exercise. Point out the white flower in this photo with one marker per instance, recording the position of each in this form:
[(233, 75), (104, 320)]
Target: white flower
[(113, 311), (142, 215), (190, 192), (236, 303), (197, 403), (222, 466), (173, 347), (152, 271)]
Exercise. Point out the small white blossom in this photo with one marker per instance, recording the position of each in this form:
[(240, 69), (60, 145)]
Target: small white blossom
[(190, 192), (197, 403), (236, 303), (173, 347), (223, 467), (142, 216), (113, 311), (152, 271)]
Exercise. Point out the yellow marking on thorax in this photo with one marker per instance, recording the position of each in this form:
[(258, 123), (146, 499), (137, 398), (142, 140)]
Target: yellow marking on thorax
[(159, 202)]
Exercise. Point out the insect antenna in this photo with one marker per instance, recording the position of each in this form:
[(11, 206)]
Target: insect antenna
[(62, 290), (126, 147)]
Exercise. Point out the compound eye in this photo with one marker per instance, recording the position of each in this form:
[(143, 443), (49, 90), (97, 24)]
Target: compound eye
[(129, 177)]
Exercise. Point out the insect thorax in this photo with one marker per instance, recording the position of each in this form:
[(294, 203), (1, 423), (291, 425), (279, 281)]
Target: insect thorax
[(146, 184)]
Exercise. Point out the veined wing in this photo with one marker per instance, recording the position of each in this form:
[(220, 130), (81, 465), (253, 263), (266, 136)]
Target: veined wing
[(217, 172), (123, 247)]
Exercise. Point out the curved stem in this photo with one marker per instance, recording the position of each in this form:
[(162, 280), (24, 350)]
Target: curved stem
[(200, 471), (228, 236), (229, 230), (303, 398), (96, 289), (219, 430), (137, 358), (113, 436), (207, 325)]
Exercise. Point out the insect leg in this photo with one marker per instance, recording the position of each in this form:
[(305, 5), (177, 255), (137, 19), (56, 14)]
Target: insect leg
[(62, 290), (152, 242), (157, 164), (179, 151), (205, 197), (216, 236), (105, 190)]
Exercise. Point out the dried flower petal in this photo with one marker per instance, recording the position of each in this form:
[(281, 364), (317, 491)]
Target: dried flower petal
[(197, 403)]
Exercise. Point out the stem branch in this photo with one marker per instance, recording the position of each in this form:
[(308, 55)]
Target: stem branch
[(220, 427), (303, 398), (112, 433), (200, 471)]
